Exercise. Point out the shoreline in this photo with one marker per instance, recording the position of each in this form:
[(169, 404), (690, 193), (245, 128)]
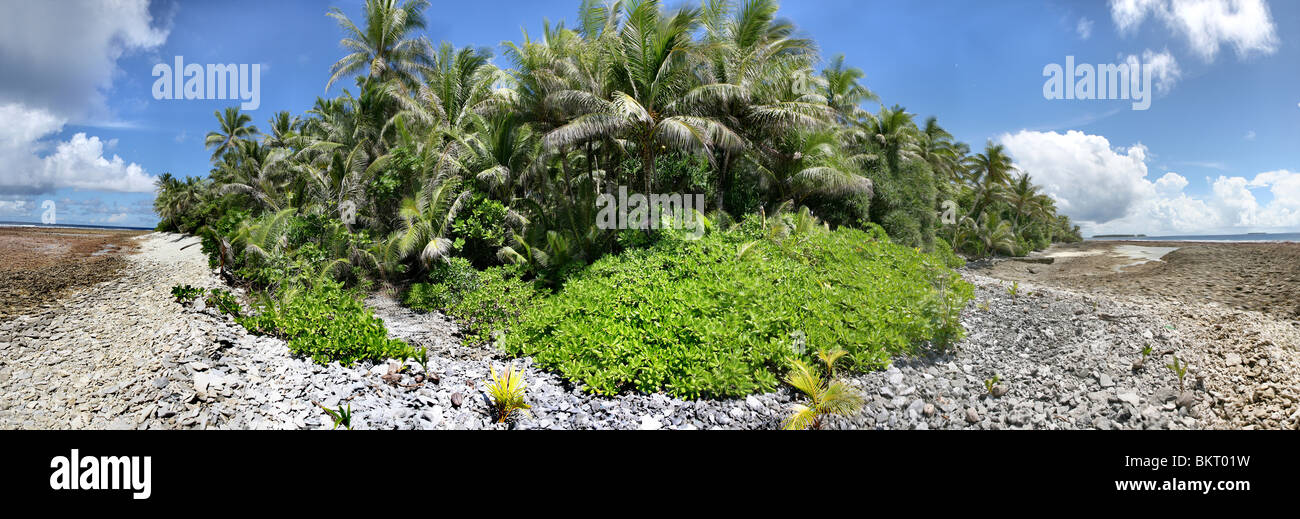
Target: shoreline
[(121, 354)]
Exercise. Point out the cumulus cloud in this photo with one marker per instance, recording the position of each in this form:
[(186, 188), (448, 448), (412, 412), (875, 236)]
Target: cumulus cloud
[(61, 57), (59, 61), (1106, 189), (78, 163), (1090, 180), (1206, 25), (1084, 28)]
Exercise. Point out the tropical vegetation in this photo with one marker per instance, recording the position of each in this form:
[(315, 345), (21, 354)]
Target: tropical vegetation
[(466, 181)]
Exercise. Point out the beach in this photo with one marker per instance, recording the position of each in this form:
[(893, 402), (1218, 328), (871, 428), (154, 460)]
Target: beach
[(42, 263), (1263, 277), (122, 354)]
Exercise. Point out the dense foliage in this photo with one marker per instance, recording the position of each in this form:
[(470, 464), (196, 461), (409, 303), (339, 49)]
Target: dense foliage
[(717, 317), (473, 189)]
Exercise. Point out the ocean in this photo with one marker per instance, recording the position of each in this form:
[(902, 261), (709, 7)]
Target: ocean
[(74, 226), (1260, 237)]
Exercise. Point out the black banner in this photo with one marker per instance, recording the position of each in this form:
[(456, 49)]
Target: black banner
[(367, 470)]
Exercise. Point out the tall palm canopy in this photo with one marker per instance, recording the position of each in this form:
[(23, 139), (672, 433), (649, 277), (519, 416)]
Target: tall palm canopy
[(500, 155)]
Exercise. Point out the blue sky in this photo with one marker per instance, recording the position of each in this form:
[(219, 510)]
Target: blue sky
[(1215, 152)]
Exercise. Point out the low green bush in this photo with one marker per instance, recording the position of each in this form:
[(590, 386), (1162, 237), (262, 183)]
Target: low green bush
[(223, 301), (701, 319), (499, 298), (327, 323), (449, 282)]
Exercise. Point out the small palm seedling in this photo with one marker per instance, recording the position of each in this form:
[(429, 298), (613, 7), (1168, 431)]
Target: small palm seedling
[(984, 306), (826, 397), (1014, 290), (1179, 369), (342, 416), (507, 392), (421, 355), (994, 386), (1146, 352), (829, 356)]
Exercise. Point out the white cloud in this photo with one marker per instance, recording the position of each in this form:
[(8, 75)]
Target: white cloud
[(79, 163), (1171, 184), (15, 207), (1250, 135), (61, 57), (1106, 189), (60, 61), (116, 218), (1084, 28), (1163, 69), (1090, 180), (1206, 25)]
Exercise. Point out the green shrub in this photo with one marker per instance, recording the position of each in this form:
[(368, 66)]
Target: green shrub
[(944, 252), (450, 281), (185, 293), (327, 324), (698, 319), (499, 298), (223, 301)]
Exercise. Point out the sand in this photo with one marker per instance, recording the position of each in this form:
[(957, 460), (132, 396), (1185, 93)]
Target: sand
[(1262, 277), (41, 264)]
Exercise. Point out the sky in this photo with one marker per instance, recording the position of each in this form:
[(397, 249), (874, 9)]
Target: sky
[(1216, 151)]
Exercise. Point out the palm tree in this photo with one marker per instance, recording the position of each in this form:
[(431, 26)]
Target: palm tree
[(260, 175), (387, 48), (655, 49), (990, 171), (893, 135), (427, 219), (844, 92), (234, 128), (1025, 199), (939, 151)]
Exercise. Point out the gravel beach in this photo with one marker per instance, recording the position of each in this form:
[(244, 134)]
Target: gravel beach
[(122, 354)]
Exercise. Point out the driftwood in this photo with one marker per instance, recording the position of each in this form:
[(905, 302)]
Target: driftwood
[(1043, 261)]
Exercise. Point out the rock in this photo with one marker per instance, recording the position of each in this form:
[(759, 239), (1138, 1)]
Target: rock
[(198, 366), (457, 398), (928, 410), (999, 390), (1185, 400), (1232, 359), (1129, 397), (753, 403), (649, 424), (1105, 381), (972, 416)]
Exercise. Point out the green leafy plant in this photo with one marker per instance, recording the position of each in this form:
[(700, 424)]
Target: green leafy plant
[(692, 319), (507, 392), (224, 301), (1179, 369), (341, 416), (825, 396), (185, 293), (421, 356), (990, 383), (1014, 290), (326, 323)]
